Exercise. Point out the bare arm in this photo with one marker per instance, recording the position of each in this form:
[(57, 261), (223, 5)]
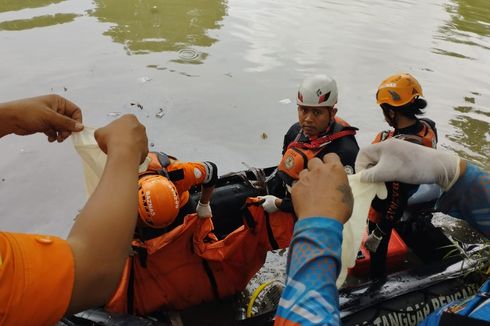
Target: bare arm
[(203, 208), (53, 115), (206, 193), (102, 233)]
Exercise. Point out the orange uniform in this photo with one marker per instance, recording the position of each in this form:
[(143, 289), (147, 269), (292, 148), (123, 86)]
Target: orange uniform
[(183, 175), (189, 265), (36, 279)]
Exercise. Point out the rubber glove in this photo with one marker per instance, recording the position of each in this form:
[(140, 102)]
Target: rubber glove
[(269, 203), (373, 240), (203, 210), (398, 160)]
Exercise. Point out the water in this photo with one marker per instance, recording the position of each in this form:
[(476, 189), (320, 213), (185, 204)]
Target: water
[(216, 80)]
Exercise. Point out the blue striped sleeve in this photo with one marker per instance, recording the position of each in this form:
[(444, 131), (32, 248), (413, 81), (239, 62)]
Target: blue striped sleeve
[(310, 296), (469, 199)]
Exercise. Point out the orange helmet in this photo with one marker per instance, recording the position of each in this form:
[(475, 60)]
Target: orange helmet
[(398, 90), (158, 201)]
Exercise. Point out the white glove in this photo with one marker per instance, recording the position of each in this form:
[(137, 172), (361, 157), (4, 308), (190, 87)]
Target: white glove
[(398, 160), (269, 204), (203, 210)]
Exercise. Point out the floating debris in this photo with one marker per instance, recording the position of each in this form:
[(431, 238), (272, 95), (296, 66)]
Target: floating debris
[(144, 79), (264, 136), (152, 145), (113, 114), (137, 104), (285, 101), (161, 113), (3, 179), (229, 74)]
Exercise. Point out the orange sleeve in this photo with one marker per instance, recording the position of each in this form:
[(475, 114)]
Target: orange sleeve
[(194, 173), (36, 279)]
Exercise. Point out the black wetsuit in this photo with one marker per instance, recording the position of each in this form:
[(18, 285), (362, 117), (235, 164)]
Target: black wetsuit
[(392, 208)]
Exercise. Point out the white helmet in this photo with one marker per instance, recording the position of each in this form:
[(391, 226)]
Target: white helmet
[(317, 91)]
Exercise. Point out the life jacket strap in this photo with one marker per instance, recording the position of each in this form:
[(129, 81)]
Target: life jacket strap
[(211, 278), (324, 140), (248, 219), (270, 233)]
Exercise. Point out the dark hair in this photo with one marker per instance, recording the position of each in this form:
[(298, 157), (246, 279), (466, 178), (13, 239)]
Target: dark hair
[(410, 110)]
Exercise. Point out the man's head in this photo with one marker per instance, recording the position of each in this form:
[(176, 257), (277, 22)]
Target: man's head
[(317, 96)]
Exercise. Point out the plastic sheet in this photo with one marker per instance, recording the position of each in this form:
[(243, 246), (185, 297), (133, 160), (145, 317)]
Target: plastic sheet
[(352, 234), (93, 158)]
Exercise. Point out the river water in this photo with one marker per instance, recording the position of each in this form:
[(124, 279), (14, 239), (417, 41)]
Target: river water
[(216, 80)]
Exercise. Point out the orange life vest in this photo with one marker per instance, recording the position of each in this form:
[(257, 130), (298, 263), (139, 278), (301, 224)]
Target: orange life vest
[(427, 136), (298, 153), (189, 265)]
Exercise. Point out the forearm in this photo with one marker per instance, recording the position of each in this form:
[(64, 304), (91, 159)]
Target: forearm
[(206, 193), (469, 199), (286, 205), (7, 119), (315, 250), (102, 233), (208, 186)]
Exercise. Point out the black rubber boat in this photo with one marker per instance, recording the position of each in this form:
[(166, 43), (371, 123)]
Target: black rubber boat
[(434, 259)]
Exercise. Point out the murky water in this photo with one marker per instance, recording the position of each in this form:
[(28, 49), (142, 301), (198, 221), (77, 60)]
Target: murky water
[(216, 80)]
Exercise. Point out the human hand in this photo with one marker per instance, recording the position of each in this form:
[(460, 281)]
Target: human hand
[(402, 161), (203, 210), (124, 133), (269, 203), (53, 115), (323, 190)]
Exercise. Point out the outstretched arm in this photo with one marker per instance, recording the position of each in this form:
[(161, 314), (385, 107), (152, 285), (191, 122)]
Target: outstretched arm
[(398, 160), (53, 115), (469, 199), (102, 233), (323, 202), (467, 187)]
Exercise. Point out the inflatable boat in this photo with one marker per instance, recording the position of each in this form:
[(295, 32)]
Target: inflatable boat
[(432, 260)]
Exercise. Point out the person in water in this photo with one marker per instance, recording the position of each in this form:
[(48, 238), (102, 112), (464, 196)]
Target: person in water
[(319, 131), (44, 277), (163, 193), (401, 100), (316, 246)]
